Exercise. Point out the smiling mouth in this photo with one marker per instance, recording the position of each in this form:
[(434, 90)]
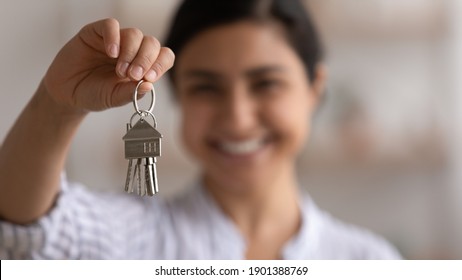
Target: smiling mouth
[(240, 148)]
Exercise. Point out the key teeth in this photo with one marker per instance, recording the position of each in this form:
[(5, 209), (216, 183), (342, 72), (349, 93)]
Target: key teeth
[(134, 182), (138, 176), (154, 172), (128, 179), (149, 177)]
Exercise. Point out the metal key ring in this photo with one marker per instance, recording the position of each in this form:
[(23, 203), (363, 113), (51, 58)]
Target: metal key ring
[(143, 114), (135, 100)]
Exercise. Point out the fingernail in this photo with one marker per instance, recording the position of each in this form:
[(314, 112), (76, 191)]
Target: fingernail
[(123, 69), (114, 50), (136, 72), (151, 75)]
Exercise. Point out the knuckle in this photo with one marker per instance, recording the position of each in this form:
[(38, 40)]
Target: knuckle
[(87, 27), (108, 102), (158, 67), (169, 56), (165, 60), (110, 22), (144, 60), (152, 41), (129, 54), (133, 32)]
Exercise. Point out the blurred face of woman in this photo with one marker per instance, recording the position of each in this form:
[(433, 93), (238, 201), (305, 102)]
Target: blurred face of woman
[(246, 104)]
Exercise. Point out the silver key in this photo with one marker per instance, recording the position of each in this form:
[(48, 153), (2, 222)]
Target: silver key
[(142, 142), (151, 176)]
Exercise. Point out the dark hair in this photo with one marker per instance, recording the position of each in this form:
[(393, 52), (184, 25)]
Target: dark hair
[(195, 16)]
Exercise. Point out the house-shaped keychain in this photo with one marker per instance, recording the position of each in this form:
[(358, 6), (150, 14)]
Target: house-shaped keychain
[(142, 141)]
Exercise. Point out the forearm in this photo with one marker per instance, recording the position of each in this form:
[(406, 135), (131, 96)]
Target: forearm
[(32, 158)]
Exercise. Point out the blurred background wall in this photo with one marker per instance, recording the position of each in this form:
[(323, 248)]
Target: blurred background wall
[(386, 150)]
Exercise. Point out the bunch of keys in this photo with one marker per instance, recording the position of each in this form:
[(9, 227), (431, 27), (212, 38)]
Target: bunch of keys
[(142, 146)]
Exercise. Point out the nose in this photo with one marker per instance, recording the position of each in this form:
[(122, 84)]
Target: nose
[(238, 112)]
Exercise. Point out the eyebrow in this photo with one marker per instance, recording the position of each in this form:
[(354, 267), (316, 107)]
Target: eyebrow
[(251, 73), (264, 70)]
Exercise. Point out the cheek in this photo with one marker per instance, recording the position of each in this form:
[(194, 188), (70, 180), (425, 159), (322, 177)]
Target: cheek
[(291, 116), (194, 126)]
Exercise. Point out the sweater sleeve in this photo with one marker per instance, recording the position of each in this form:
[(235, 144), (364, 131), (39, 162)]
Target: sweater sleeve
[(81, 225)]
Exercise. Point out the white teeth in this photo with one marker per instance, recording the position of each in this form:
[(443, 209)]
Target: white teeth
[(241, 147)]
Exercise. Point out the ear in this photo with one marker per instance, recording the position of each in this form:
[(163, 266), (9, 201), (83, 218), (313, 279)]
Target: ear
[(318, 85)]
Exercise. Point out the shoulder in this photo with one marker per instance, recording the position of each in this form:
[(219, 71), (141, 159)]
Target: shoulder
[(354, 242), (339, 240)]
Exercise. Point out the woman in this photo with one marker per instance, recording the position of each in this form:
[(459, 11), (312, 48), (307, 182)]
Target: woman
[(247, 78)]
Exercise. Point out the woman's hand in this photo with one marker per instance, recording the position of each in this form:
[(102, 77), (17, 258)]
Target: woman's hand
[(95, 70), (99, 67)]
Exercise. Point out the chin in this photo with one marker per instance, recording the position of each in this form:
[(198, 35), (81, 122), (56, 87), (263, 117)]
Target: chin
[(237, 183)]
